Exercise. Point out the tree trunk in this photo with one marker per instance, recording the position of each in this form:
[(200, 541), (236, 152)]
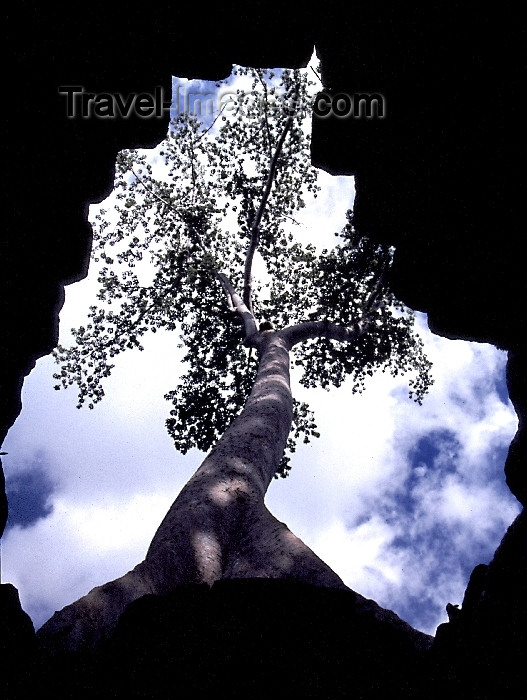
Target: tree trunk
[(218, 527)]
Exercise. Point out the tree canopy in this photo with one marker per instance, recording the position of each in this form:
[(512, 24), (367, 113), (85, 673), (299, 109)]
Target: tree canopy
[(177, 253)]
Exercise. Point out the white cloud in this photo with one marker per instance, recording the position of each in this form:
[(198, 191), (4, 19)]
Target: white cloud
[(413, 555), (81, 545)]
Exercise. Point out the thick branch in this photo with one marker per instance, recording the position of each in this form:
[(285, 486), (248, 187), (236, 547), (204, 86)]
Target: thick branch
[(324, 329), (238, 305)]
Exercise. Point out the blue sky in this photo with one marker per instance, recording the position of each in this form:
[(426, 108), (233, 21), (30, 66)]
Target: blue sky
[(401, 500)]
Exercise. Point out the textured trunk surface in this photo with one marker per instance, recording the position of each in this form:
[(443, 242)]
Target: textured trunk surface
[(218, 527)]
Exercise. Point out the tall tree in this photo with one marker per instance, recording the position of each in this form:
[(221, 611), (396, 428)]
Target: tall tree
[(178, 253)]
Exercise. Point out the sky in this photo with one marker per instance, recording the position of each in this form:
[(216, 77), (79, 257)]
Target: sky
[(401, 500)]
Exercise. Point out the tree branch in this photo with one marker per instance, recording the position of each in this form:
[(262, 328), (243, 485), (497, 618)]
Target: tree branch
[(324, 329), (206, 131), (255, 226), (154, 194), (266, 113), (239, 306), (233, 297), (170, 206), (371, 302)]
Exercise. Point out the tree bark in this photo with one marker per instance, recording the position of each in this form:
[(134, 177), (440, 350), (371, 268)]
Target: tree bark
[(218, 527)]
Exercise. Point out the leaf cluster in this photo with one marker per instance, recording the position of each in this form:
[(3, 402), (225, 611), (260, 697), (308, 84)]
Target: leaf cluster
[(351, 285), (191, 210)]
